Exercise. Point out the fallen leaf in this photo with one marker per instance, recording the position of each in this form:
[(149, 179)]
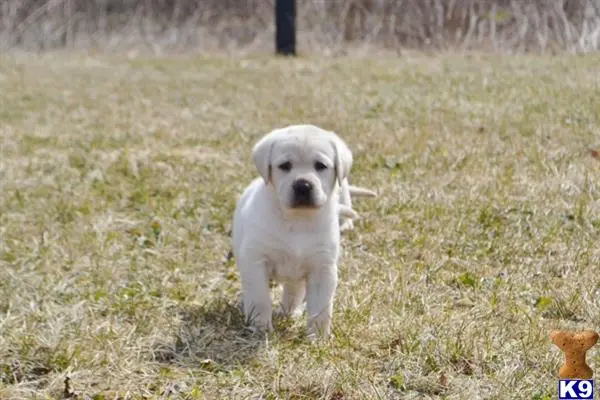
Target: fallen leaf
[(443, 380)]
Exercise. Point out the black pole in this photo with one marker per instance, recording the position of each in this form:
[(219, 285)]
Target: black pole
[(285, 27)]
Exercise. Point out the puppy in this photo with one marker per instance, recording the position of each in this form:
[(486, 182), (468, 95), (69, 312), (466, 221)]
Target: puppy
[(286, 224)]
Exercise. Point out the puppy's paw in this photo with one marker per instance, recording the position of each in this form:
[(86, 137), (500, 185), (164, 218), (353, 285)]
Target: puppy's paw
[(260, 328), (259, 323), (347, 225), (282, 312), (347, 212), (318, 336), (319, 328)]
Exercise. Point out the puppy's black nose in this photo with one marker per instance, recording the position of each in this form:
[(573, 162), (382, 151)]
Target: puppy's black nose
[(302, 187)]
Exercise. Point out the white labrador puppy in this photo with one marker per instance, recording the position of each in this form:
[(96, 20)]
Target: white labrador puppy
[(286, 225)]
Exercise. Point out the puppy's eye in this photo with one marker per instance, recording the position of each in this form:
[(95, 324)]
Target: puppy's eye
[(286, 166), (319, 166)]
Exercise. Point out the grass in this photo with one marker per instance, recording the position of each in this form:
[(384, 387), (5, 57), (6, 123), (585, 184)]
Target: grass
[(118, 182)]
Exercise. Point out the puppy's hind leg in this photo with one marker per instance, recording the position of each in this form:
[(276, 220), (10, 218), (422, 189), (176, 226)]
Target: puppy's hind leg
[(346, 223), (345, 211)]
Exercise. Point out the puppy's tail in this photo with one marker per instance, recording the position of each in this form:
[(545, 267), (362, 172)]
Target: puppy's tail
[(359, 191)]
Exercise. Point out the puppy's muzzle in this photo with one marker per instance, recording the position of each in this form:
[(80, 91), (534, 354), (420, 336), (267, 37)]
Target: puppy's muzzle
[(303, 194)]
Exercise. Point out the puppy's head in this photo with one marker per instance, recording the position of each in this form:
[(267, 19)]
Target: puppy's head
[(302, 163)]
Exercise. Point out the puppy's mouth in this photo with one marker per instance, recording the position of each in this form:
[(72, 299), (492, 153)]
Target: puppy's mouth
[(303, 203)]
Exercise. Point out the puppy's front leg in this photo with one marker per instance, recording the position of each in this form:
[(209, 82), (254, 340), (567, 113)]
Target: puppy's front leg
[(322, 282), (256, 295)]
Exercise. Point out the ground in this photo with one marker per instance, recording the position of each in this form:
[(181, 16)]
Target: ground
[(119, 177)]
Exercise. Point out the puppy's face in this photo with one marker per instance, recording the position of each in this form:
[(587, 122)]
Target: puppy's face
[(302, 163), (303, 172)]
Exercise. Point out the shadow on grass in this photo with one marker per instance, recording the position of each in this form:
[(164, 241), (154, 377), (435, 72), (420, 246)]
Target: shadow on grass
[(212, 336)]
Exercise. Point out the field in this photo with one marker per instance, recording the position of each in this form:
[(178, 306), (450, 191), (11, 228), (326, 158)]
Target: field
[(118, 180)]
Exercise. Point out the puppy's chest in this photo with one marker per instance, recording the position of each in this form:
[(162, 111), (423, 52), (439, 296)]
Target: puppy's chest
[(296, 255)]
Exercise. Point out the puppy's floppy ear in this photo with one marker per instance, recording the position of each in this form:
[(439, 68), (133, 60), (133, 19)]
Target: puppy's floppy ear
[(261, 153), (343, 158)]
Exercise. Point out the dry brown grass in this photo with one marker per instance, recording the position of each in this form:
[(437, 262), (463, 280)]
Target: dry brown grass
[(324, 26), (118, 180)]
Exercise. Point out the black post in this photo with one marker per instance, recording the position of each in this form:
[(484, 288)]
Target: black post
[(285, 27)]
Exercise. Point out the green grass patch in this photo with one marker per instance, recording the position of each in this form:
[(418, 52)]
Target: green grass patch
[(119, 181)]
